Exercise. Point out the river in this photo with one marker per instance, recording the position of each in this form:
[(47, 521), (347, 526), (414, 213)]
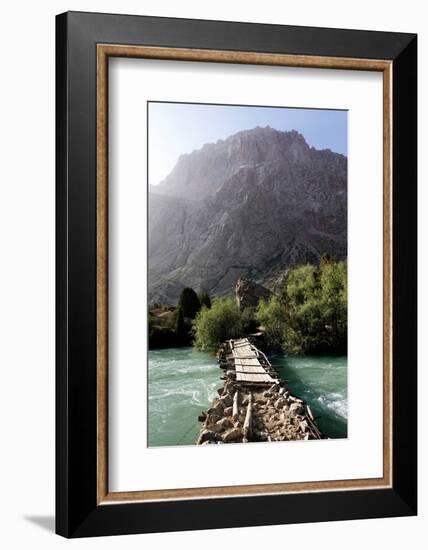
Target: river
[(183, 382)]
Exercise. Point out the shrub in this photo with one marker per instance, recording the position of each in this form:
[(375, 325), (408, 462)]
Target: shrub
[(249, 321), (271, 315), (213, 326), (316, 308)]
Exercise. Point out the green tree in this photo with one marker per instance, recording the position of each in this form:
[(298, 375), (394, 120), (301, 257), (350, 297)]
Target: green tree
[(334, 304), (271, 315), (189, 303), (214, 326), (316, 308), (324, 260), (205, 299)]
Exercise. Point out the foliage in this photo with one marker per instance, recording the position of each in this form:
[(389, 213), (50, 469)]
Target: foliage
[(308, 314), (315, 301), (249, 321), (214, 326), (271, 315), (189, 303), (205, 300)]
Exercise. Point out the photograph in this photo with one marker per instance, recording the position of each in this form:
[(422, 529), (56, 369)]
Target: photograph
[(213, 265), (246, 273), (235, 275)]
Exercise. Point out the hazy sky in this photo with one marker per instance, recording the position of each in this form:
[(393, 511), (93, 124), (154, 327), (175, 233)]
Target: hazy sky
[(177, 128)]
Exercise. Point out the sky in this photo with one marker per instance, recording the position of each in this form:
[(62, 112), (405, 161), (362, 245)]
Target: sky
[(178, 128)]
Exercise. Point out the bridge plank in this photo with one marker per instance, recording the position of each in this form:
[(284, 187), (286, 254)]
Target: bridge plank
[(247, 365)]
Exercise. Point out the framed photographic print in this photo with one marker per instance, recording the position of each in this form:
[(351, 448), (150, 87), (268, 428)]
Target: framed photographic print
[(236, 274)]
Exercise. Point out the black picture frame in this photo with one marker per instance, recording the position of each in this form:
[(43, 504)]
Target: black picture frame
[(77, 511)]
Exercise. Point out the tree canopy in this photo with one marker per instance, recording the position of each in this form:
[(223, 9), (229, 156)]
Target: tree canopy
[(271, 315), (316, 308), (189, 303), (205, 299), (217, 324), (307, 314)]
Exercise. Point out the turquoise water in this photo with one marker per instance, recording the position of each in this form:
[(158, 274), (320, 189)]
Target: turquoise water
[(322, 382), (183, 383)]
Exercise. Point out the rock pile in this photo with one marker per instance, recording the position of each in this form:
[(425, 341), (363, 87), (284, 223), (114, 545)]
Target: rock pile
[(242, 413)]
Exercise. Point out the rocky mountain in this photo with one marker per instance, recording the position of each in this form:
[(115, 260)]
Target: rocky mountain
[(248, 206)]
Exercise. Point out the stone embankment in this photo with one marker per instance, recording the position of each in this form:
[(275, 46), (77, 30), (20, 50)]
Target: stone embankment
[(254, 404)]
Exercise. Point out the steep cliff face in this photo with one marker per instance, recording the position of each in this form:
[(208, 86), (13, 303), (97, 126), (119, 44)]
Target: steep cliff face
[(202, 173), (248, 206)]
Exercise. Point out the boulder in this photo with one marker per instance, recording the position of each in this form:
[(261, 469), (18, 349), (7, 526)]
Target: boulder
[(207, 435), (226, 400), (248, 293), (296, 408), (215, 428), (232, 435), (303, 426), (217, 408), (224, 424), (295, 399), (283, 418), (213, 418)]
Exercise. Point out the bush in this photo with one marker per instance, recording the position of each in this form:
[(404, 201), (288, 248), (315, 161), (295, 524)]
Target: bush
[(249, 321), (271, 315), (316, 308), (213, 326)]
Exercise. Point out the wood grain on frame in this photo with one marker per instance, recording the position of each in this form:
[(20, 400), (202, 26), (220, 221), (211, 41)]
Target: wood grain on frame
[(104, 51)]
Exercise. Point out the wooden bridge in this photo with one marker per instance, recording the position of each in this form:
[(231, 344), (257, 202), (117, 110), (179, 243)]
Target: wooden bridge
[(254, 404), (251, 366)]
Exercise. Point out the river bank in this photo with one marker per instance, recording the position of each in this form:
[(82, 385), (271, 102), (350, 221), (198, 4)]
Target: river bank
[(183, 382)]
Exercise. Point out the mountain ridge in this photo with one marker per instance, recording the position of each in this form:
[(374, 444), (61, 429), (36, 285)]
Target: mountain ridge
[(257, 202)]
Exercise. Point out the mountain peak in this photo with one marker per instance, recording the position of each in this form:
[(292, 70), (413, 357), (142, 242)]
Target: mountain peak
[(246, 207), (267, 132), (201, 173)]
